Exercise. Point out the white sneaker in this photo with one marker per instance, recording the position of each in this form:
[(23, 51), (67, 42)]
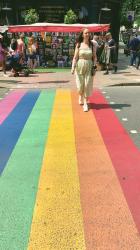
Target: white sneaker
[(81, 102), (5, 75), (85, 107)]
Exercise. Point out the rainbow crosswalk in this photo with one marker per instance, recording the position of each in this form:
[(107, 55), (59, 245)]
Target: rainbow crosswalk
[(69, 180)]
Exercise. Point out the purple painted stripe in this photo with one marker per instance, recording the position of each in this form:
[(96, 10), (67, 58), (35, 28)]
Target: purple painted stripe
[(9, 103)]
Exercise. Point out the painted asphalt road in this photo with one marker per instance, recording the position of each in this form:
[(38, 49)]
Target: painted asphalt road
[(127, 100), (69, 179)]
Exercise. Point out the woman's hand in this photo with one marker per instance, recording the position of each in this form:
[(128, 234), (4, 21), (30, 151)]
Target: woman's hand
[(72, 71)]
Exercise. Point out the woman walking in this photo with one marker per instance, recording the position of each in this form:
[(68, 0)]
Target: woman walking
[(83, 62)]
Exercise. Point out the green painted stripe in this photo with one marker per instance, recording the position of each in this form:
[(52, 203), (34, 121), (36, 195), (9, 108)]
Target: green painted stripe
[(19, 181)]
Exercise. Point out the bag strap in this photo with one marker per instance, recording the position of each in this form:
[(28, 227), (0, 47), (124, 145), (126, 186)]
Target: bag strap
[(92, 52)]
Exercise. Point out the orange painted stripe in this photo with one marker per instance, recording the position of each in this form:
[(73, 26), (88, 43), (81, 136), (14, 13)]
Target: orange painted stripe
[(108, 222)]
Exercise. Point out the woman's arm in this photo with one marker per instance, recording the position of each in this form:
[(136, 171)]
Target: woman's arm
[(112, 44), (75, 59)]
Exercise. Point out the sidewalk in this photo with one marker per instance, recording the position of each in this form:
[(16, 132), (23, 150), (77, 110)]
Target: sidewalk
[(126, 75)]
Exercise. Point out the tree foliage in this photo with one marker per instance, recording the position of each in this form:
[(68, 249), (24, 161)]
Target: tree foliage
[(138, 21), (129, 5), (31, 16), (70, 17)]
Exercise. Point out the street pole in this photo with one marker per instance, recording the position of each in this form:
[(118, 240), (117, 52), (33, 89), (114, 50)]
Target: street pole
[(6, 9), (6, 17), (99, 20), (100, 13)]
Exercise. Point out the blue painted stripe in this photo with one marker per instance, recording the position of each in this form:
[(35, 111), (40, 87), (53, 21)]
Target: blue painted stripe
[(12, 127)]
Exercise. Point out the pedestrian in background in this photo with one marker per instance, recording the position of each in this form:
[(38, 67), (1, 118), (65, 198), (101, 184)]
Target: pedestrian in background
[(110, 51), (3, 52), (100, 47), (31, 52), (95, 42), (21, 46), (83, 61), (15, 57), (133, 46), (138, 56)]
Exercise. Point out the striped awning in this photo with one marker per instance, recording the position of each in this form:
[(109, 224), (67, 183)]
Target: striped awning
[(55, 27), (3, 28)]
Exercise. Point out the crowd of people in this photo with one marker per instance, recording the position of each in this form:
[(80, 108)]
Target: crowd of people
[(106, 50), (18, 53), (24, 49)]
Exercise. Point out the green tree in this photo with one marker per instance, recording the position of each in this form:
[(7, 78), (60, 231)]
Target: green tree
[(70, 17), (138, 21), (129, 5), (31, 16)]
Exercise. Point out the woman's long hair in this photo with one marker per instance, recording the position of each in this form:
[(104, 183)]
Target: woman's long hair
[(2, 43), (14, 44), (80, 38)]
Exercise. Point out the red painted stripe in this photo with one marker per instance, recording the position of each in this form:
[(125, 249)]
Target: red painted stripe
[(123, 152), (9, 103)]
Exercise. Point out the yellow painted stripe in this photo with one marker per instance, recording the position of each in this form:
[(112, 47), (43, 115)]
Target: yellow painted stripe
[(57, 220)]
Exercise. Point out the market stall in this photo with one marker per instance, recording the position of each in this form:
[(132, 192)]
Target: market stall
[(3, 28), (56, 42)]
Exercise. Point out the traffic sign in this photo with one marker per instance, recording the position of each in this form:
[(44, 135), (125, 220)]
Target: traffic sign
[(130, 15)]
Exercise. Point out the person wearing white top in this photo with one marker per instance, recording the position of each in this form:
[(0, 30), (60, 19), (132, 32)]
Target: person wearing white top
[(95, 43)]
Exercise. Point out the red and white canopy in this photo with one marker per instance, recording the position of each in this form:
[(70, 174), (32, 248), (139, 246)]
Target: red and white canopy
[(3, 28), (55, 27)]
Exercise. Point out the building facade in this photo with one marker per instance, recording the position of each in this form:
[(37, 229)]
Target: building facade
[(89, 11)]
